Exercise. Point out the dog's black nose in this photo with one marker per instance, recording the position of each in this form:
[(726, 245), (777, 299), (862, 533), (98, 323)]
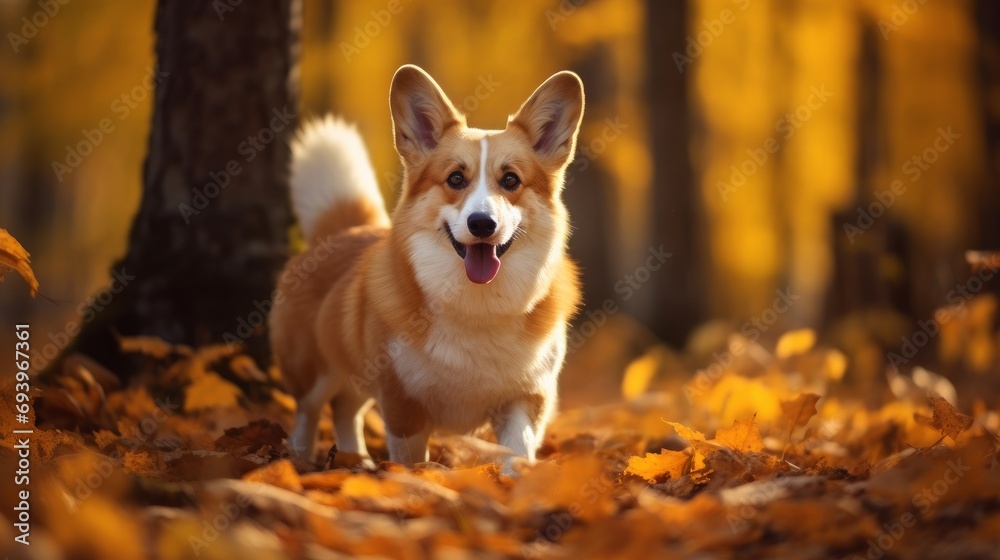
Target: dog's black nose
[(481, 225)]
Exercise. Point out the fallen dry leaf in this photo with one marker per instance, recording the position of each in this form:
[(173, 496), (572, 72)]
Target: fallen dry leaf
[(744, 436), (687, 433), (210, 392), (251, 437), (217, 468), (798, 411), (279, 473), (947, 419), (658, 467), (13, 255)]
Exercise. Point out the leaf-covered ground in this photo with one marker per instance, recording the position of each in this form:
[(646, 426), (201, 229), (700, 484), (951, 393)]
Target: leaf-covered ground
[(770, 451)]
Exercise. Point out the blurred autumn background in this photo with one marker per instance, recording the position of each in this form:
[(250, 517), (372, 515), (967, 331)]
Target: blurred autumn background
[(682, 97), (820, 168)]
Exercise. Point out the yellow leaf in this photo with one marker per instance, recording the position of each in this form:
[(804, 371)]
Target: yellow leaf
[(657, 467), (743, 436), (700, 452), (794, 343), (799, 410), (13, 255), (700, 449), (735, 397), (640, 373), (210, 391), (687, 433)]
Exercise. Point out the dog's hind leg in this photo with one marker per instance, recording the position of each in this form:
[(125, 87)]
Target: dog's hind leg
[(349, 422), (303, 439)]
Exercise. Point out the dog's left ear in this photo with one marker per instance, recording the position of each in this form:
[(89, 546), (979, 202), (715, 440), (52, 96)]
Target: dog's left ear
[(551, 118)]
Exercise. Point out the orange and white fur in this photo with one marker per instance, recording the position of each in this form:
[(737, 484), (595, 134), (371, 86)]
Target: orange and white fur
[(451, 314)]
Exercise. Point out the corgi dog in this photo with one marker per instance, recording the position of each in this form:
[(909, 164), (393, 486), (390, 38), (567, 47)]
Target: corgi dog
[(453, 313)]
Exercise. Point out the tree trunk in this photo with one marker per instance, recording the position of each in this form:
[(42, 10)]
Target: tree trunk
[(211, 234), (677, 220), (987, 16)]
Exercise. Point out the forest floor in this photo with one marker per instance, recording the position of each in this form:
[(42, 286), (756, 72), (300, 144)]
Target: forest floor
[(769, 452)]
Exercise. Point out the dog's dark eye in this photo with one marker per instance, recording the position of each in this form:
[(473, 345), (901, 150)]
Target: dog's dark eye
[(510, 181), (456, 180)]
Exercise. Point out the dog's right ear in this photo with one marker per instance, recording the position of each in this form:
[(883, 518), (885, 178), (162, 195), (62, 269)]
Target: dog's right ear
[(421, 113)]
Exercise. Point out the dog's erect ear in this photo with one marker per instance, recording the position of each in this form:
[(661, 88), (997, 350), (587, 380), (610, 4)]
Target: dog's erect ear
[(421, 113), (551, 117)]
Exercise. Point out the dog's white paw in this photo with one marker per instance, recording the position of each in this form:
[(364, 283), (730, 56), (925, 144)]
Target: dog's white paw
[(514, 465)]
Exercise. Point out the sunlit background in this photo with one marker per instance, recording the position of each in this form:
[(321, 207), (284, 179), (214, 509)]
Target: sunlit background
[(841, 152)]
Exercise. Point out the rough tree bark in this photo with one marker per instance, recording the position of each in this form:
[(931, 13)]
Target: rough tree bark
[(211, 233)]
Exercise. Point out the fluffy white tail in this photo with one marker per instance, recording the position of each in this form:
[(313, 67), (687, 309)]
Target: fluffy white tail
[(330, 165)]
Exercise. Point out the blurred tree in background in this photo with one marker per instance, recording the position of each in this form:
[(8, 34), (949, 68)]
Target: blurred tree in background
[(211, 232)]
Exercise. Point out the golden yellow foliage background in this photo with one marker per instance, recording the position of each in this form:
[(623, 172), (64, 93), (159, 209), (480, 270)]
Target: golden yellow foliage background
[(888, 82)]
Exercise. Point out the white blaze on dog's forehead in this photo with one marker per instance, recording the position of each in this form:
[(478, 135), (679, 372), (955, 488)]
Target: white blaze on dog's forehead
[(482, 163), (479, 199)]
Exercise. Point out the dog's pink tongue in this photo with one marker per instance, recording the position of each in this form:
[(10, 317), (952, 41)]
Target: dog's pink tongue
[(481, 262)]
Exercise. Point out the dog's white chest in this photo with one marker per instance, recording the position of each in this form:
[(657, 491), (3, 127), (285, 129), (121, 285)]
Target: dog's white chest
[(462, 377)]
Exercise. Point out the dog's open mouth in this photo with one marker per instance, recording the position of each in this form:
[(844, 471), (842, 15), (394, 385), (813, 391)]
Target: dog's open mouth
[(482, 260)]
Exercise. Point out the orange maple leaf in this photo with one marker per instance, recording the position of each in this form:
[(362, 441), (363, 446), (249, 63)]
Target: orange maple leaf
[(743, 436)]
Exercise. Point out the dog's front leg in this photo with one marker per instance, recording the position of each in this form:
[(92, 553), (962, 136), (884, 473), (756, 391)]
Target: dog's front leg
[(520, 426), (407, 428), (407, 449)]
